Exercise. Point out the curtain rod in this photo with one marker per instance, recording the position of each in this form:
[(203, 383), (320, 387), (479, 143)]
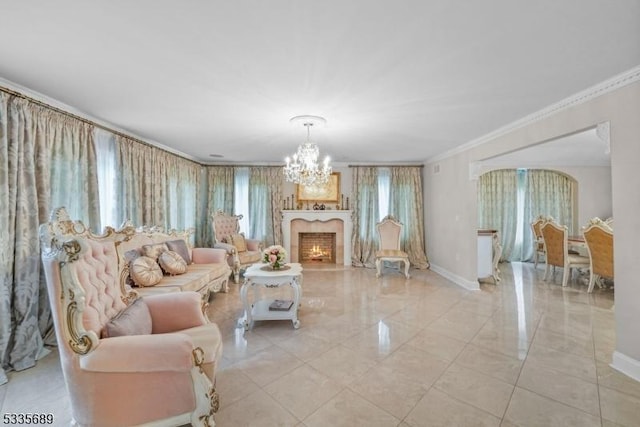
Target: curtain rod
[(387, 166), (90, 122)]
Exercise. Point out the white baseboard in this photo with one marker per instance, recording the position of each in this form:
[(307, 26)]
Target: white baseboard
[(469, 285), (627, 365)]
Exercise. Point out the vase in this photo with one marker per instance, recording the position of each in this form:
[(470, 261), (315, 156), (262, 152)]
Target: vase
[(276, 265)]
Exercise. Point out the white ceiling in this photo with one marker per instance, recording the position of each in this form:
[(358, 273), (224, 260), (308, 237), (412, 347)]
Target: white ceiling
[(397, 81)]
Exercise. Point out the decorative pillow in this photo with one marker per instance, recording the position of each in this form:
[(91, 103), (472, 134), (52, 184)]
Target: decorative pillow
[(237, 240), (172, 263), (154, 251), (132, 254), (145, 271), (180, 246), (133, 320)]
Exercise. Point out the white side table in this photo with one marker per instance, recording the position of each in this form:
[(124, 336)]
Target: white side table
[(256, 277)]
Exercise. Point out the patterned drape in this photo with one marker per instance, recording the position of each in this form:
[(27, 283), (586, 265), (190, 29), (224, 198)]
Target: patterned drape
[(218, 185), (497, 206), (405, 203), (134, 187), (155, 187), (181, 178), (552, 194), (365, 216), (265, 198), (47, 160), (537, 192)]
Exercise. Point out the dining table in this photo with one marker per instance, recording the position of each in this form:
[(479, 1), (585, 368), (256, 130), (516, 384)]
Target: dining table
[(577, 241)]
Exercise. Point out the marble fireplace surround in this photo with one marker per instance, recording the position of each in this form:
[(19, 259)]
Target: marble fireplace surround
[(311, 221)]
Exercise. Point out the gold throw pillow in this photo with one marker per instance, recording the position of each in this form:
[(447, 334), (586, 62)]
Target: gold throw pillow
[(238, 241), (145, 271), (172, 263)]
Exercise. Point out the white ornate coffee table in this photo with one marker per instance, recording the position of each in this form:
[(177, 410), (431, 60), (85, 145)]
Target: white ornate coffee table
[(259, 276)]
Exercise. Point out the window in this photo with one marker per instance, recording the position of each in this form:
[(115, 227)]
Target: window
[(384, 192), (106, 158), (241, 196)]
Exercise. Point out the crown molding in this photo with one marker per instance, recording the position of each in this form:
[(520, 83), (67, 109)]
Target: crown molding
[(624, 79), (40, 97)]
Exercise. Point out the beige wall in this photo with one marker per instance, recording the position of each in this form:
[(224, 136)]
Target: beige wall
[(450, 202)]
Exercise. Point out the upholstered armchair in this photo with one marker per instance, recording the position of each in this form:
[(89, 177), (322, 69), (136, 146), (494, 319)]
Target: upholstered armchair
[(242, 252), (389, 233), (598, 235), (556, 247), (126, 360)]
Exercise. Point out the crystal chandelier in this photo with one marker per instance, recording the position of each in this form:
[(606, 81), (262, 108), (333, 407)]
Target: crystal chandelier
[(303, 167)]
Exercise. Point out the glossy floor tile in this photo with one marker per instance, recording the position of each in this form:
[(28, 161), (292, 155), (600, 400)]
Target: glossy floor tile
[(405, 353)]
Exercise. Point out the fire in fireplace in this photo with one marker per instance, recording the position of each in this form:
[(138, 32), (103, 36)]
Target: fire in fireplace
[(317, 247)]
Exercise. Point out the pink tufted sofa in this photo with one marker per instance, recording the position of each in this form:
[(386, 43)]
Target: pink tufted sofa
[(165, 377), (208, 273)]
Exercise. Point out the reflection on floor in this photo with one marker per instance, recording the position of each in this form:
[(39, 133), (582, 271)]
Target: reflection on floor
[(397, 352)]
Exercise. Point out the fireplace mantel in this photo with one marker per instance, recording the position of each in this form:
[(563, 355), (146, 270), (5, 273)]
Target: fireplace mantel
[(323, 216)]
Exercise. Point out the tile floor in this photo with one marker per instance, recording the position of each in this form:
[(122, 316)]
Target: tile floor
[(395, 352)]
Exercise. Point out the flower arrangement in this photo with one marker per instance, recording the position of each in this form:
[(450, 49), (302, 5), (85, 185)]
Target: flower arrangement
[(274, 256)]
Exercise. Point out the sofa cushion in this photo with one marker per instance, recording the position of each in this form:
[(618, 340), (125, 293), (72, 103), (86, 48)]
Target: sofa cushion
[(135, 319), (172, 263), (237, 240), (197, 278), (180, 246), (250, 257), (154, 251), (145, 271)]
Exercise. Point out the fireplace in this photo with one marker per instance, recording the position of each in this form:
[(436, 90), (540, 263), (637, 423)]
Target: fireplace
[(338, 222), (317, 247)]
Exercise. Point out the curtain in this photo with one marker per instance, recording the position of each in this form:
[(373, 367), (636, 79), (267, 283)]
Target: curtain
[(218, 185), (552, 194), (155, 187), (497, 206), (134, 187), (181, 178), (47, 160), (365, 216), (405, 204), (509, 200), (265, 196)]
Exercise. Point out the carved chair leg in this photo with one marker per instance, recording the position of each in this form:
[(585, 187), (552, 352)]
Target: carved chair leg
[(546, 272), (566, 272), (378, 266), (592, 282), (406, 268)]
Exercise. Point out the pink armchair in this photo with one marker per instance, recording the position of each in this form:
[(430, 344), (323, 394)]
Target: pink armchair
[(164, 377)]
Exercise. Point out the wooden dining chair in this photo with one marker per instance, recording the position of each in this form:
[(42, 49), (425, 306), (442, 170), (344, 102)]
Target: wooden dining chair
[(599, 238), (557, 251), (538, 240)]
